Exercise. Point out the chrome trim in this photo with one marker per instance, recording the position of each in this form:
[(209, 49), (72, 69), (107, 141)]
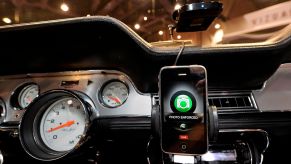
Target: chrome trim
[(251, 130), (148, 160), (9, 128), (262, 158), (147, 148), (253, 100), (67, 73), (155, 100), (242, 130), (3, 114), (227, 93), (250, 152), (234, 94), (263, 86), (1, 158)]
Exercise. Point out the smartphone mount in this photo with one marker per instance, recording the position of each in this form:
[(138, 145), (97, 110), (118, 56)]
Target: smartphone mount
[(212, 122), (154, 152)]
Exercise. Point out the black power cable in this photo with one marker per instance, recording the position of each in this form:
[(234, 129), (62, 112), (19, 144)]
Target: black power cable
[(180, 53)]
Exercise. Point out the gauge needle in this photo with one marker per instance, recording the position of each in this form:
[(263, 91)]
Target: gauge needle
[(115, 99), (29, 99), (67, 124)]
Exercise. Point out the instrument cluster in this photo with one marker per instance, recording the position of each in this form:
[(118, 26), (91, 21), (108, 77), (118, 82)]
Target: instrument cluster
[(112, 92), (54, 111)]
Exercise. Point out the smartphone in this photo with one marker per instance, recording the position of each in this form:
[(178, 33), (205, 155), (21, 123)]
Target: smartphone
[(183, 102)]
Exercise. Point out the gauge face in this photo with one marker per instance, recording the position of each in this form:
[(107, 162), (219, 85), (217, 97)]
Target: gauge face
[(114, 94), (63, 124), (27, 95)]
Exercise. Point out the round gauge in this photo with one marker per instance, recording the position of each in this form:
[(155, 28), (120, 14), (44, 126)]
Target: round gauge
[(114, 94), (27, 95), (56, 123), (63, 124)]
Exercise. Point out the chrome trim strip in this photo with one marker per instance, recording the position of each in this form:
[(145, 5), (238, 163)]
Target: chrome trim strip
[(234, 94), (1, 158), (147, 149), (66, 73), (250, 152), (248, 130), (253, 101), (227, 93), (155, 100), (251, 130), (4, 110), (9, 128)]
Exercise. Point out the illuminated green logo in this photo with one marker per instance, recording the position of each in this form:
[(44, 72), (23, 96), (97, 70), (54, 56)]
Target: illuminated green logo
[(183, 103)]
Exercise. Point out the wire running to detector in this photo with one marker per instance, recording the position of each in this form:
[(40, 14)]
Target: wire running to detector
[(180, 53)]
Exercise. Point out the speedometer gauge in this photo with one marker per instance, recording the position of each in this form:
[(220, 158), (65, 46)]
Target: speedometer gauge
[(63, 124), (114, 94)]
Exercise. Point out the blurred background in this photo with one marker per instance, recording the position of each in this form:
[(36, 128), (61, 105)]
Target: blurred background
[(241, 20)]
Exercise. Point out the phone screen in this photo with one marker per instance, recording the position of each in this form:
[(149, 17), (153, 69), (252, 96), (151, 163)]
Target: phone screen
[(183, 99)]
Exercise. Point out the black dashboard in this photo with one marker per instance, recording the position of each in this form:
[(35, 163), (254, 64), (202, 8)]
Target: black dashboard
[(117, 71), (86, 44)]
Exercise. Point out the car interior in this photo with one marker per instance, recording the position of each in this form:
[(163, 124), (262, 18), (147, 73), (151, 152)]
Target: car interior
[(94, 89)]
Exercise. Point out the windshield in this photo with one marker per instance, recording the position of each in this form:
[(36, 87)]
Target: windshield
[(241, 21)]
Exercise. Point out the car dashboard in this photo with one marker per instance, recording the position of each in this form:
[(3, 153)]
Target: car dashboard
[(19, 91), (101, 66)]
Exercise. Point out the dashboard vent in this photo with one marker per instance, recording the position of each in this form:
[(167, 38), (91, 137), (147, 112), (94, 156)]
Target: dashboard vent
[(232, 101)]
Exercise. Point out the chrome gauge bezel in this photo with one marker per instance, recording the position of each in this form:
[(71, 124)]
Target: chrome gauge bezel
[(100, 93), (29, 129), (15, 99), (3, 112)]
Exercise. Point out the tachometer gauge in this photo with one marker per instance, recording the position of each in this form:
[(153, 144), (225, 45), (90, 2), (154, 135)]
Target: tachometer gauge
[(63, 124), (114, 94), (27, 95), (56, 123)]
